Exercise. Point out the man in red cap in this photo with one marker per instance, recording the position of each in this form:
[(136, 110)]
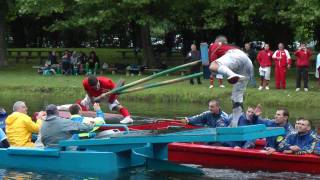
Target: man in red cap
[(95, 86)]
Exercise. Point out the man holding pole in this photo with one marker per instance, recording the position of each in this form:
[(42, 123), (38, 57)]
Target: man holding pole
[(233, 63), (96, 86)]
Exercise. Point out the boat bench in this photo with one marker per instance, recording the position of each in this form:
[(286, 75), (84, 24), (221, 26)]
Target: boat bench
[(52, 152)]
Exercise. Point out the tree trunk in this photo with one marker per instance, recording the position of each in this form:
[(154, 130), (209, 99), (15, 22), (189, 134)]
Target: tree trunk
[(3, 44), (148, 54)]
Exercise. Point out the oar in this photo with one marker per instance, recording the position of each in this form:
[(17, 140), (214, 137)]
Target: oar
[(171, 81), (140, 81)]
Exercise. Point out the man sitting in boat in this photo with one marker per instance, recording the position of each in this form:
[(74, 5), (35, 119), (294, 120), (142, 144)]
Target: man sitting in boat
[(19, 126), (302, 142), (95, 86), (280, 120), (76, 116), (246, 119), (3, 139), (55, 128), (215, 117)]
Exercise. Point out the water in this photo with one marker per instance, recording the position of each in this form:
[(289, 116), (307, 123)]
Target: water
[(36, 103)]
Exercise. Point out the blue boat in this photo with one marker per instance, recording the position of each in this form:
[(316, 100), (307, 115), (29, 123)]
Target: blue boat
[(108, 156)]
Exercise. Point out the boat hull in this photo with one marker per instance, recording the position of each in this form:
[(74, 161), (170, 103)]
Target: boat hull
[(242, 159)]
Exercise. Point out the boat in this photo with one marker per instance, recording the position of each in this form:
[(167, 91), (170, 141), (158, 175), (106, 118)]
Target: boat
[(108, 156), (242, 159)]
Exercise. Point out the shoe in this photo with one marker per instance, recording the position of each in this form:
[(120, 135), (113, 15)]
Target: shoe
[(235, 78), (306, 89), (222, 86), (267, 88), (211, 86), (298, 89), (260, 88), (126, 120)]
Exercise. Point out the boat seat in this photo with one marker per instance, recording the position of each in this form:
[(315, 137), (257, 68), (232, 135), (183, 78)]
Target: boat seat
[(25, 151)]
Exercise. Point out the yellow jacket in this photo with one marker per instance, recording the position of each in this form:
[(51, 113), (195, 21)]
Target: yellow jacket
[(19, 129)]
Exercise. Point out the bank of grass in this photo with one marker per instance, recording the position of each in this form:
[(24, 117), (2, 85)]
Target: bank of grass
[(21, 78)]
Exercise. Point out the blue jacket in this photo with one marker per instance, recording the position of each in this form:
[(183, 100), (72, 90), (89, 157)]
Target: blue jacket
[(210, 119), (275, 140), (306, 142), (79, 118)]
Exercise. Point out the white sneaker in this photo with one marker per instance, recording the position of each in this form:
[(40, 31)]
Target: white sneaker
[(235, 78), (267, 88), (211, 86), (260, 88), (126, 120), (222, 86), (306, 89), (298, 89)]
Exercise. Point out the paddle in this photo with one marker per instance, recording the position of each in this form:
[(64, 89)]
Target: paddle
[(140, 81)]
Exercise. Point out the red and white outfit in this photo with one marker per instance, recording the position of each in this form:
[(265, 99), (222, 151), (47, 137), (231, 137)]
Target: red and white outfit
[(282, 59), (264, 58), (237, 61), (106, 85)]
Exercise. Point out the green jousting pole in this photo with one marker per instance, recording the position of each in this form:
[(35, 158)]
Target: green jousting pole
[(167, 82)]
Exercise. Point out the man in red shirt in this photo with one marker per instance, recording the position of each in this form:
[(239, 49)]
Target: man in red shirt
[(282, 62), (264, 58), (95, 86), (303, 55), (233, 63)]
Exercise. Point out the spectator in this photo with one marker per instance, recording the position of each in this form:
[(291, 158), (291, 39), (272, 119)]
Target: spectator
[(52, 58), (3, 116), (220, 80), (282, 63), (66, 63), (76, 116), (82, 59), (280, 120), (93, 63), (302, 142), (215, 117), (3, 140), (55, 128), (194, 55), (252, 55), (318, 68), (74, 63), (303, 56), (19, 126), (264, 58)]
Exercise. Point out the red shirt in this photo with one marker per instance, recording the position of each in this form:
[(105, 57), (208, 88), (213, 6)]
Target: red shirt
[(216, 50), (303, 57), (265, 58), (106, 85), (281, 58)]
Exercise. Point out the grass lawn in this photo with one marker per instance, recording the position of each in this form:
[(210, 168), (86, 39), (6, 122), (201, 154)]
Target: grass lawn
[(21, 77)]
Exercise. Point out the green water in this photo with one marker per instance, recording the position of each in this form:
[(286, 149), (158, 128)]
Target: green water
[(37, 102)]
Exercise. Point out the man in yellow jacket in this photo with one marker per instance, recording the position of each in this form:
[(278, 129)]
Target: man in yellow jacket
[(19, 126)]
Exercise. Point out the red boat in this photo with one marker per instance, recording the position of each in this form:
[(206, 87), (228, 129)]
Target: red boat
[(242, 159)]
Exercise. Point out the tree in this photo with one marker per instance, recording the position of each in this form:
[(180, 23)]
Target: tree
[(3, 34)]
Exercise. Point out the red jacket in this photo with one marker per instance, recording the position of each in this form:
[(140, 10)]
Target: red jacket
[(303, 57), (216, 50), (281, 58), (106, 85), (265, 58)]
